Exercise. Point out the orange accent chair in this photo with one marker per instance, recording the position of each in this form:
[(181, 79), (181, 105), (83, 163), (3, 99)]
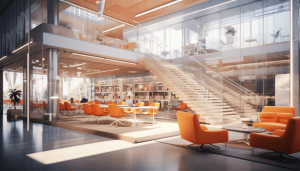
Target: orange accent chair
[(139, 104), (81, 37), (62, 107), (87, 109), (109, 102), (45, 105), (121, 103), (281, 141), (68, 107), (90, 102), (77, 101), (150, 112), (98, 102), (98, 111), (182, 106), (274, 117), (191, 130), (116, 112)]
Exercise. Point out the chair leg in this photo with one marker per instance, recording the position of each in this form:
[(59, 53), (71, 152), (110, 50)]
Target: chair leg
[(201, 147)]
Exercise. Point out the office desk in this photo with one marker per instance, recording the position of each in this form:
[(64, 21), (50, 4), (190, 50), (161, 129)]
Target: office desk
[(139, 107)]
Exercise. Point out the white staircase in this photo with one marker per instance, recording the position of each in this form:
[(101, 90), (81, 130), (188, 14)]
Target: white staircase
[(210, 108)]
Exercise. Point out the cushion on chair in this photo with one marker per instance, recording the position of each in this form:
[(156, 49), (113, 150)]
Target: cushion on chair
[(269, 126), (268, 117), (284, 117)]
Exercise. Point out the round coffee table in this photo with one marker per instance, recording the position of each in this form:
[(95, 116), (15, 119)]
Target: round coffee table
[(245, 131)]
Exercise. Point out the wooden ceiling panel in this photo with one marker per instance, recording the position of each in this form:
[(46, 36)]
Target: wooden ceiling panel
[(127, 3), (126, 10)]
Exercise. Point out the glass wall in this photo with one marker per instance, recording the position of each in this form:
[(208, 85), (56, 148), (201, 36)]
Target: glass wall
[(85, 25), (239, 54)]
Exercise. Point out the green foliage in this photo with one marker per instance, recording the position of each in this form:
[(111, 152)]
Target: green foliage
[(14, 96)]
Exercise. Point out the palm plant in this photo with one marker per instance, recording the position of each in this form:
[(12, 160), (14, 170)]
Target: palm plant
[(14, 96)]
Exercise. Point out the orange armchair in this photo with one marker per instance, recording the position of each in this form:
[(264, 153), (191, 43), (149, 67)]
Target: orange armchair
[(116, 112), (68, 107), (87, 109), (121, 103), (287, 142), (150, 112), (98, 102), (181, 107), (98, 111), (61, 107), (109, 102), (191, 130)]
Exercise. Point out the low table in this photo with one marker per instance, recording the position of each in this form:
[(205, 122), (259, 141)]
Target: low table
[(245, 131)]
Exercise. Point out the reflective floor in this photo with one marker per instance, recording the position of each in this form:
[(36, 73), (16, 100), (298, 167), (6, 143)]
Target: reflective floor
[(51, 148)]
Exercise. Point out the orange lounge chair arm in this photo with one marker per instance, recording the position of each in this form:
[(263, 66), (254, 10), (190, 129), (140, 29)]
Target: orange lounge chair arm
[(264, 141), (278, 132)]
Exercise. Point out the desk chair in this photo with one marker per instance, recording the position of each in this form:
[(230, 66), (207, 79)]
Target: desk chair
[(69, 108), (116, 112), (62, 108), (87, 109), (98, 111), (150, 112)]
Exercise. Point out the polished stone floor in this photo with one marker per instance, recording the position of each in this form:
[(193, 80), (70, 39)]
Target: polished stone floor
[(50, 148)]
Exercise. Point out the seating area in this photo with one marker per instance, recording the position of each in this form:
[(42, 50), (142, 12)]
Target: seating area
[(283, 137), (117, 113)]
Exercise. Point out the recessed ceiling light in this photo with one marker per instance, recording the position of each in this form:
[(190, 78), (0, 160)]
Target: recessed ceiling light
[(79, 68), (65, 66), (114, 28), (87, 56), (76, 65), (157, 8)]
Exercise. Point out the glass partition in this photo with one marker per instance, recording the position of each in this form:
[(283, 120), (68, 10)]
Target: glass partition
[(85, 25)]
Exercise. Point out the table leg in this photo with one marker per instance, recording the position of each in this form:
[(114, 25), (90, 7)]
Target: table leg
[(153, 116), (246, 138), (134, 118)]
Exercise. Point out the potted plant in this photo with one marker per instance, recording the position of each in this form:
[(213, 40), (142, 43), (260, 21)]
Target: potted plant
[(14, 96), (230, 32)]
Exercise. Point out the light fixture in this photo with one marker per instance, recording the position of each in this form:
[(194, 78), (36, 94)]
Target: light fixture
[(76, 65), (129, 93), (121, 61), (184, 15), (157, 8), (103, 71), (79, 68), (95, 12), (54, 97), (114, 28), (37, 61), (21, 47), (65, 66), (87, 56), (3, 57), (100, 5)]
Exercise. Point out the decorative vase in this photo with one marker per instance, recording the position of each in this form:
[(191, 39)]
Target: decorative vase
[(229, 39)]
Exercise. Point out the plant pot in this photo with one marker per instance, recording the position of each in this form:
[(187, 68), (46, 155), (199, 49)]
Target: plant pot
[(14, 113), (229, 39)]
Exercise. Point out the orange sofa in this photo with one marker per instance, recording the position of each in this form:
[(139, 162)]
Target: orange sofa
[(287, 142), (191, 130), (274, 117)]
